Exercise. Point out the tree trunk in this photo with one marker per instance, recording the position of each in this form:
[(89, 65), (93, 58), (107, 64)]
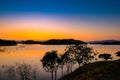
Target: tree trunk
[(62, 71), (68, 69), (71, 67), (79, 65), (55, 74), (52, 75)]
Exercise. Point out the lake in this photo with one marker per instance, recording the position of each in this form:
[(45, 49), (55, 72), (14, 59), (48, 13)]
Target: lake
[(32, 54)]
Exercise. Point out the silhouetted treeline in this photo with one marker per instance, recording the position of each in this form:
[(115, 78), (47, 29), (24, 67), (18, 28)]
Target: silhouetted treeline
[(7, 42), (80, 54)]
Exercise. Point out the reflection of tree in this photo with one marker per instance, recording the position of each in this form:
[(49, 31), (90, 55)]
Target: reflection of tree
[(23, 70), (9, 49), (27, 72), (2, 49), (18, 72), (10, 70)]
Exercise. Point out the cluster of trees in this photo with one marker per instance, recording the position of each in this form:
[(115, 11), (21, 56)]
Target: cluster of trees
[(80, 54)]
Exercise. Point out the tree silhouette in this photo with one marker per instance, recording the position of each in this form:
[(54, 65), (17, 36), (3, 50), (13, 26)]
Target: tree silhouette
[(50, 63), (81, 53), (69, 58), (105, 56), (61, 63), (85, 53), (117, 53)]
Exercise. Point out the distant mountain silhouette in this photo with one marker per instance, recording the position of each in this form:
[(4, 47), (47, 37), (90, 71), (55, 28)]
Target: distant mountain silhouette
[(63, 42), (7, 42), (55, 42), (106, 42)]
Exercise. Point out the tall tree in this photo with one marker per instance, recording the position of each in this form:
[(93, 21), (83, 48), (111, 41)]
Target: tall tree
[(83, 54), (61, 63), (49, 62), (69, 58)]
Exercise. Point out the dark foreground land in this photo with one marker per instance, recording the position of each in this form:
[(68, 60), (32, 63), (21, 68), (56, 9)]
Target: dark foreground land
[(103, 70)]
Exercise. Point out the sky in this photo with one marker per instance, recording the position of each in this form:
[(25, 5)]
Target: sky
[(47, 19)]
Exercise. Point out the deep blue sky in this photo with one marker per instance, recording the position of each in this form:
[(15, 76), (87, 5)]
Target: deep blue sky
[(64, 7)]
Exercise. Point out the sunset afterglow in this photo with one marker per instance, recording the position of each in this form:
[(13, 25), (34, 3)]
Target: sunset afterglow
[(36, 23)]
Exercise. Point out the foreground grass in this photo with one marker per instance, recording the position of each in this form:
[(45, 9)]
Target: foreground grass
[(103, 70)]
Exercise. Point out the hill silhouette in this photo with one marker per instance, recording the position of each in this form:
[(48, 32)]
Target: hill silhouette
[(63, 42), (31, 42), (106, 42), (7, 42), (55, 42)]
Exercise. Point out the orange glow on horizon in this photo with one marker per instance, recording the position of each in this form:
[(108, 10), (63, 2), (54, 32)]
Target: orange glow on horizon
[(39, 29)]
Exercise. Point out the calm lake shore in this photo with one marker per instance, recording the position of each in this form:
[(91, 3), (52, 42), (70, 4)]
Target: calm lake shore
[(32, 54)]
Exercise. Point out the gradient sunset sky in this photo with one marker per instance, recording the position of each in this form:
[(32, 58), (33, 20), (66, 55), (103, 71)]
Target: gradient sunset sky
[(47, 19)]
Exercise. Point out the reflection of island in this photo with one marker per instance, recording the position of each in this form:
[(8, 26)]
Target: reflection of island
[(55, 42), (7, 42), (106, 42)]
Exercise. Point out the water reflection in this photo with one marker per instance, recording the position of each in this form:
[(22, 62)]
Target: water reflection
[(32, 54)]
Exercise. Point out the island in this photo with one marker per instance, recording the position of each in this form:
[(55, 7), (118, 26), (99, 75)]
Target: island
[(106, 42), (7, 42), (55, 42)]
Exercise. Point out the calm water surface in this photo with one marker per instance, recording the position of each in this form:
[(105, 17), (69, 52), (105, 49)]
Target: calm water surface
[(32, 54)]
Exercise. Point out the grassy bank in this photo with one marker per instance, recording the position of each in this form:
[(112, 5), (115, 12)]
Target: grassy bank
[(103, 70)]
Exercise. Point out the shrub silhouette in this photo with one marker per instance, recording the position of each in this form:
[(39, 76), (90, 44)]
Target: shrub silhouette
[(105, 56), (117, 53)]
